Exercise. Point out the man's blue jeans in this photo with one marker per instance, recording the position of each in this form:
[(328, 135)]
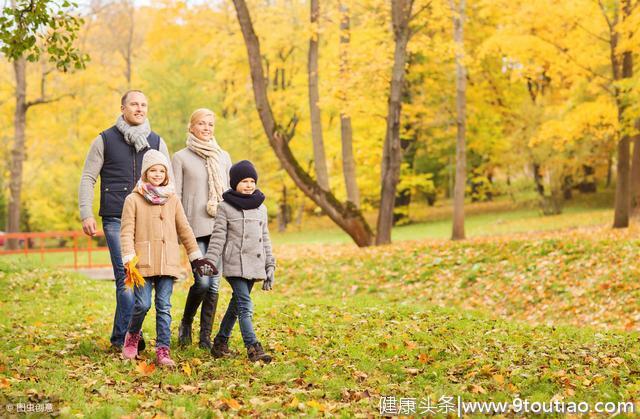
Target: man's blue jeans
[(164, 288), (124, 295), (240, 307)]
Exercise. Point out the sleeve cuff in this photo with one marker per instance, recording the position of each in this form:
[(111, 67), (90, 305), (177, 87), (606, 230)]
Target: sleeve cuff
[(127, 258), (195, 255)]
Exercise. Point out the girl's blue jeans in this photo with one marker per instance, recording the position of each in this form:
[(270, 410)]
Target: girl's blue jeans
[(142, 304)]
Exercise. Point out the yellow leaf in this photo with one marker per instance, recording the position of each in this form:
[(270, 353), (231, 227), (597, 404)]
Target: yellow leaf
[(187, 369), (316, 405), (294, 402), (499, 378)]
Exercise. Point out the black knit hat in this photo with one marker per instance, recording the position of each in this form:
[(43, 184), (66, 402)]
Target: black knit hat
[(241, 170)]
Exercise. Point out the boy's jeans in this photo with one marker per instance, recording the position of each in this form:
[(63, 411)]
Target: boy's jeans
[(240, 307), (124, 295), (164, 288)]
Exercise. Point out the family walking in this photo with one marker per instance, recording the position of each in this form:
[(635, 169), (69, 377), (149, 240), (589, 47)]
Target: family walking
[(150, 203)]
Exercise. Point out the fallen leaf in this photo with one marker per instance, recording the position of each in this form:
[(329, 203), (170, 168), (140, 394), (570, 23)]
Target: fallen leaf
[(186, 368), (145, 369), (316, 405), (232, 403)]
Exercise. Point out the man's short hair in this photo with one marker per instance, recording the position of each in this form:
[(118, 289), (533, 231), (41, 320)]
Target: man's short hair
[(123, 101)]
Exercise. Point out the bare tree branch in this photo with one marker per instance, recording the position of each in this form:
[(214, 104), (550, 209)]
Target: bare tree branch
[(595, 35), (606, 17), (571, 58), (43, 100), (419, 11)]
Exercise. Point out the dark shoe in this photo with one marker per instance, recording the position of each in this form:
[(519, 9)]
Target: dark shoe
[(207, 316), (190, 308), (184, 334), (220, 348), (141, 343), (256, 353)]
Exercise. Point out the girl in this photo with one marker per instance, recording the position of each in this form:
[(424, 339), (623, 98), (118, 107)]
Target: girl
[(242, 236), (202, 174), (152, 221)]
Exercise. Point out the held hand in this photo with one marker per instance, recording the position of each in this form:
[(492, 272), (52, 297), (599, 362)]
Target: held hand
[(89, 226), (204, 267), (128, 277), (132, 274), (267, 284)]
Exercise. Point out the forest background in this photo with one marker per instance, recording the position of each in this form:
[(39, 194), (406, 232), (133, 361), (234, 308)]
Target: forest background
[(548, 102)]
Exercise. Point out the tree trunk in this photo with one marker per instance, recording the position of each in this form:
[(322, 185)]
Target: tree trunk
[(128, 48), (283, 211), (461, 104), (322, 175), (18, 151), (403, 198), (635, 175), (392, 152), (346, 216), (346, 132), (588, 183), (623, 198)]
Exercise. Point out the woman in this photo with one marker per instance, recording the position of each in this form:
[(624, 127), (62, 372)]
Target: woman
[(201, 172)]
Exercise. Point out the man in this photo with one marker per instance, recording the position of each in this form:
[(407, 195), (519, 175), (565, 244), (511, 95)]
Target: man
[(116, 155)]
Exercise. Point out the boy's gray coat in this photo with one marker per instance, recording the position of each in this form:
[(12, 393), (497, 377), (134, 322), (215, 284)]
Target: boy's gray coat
[(242, 238)]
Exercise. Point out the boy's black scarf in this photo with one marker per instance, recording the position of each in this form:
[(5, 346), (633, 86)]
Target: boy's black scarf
[(242, 201)]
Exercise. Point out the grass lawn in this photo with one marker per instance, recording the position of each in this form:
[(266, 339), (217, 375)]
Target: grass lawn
[(476, 225), (539, 317)]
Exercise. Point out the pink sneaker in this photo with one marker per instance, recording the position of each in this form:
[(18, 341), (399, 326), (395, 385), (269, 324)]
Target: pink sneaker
[(162, 357), (130, 348)]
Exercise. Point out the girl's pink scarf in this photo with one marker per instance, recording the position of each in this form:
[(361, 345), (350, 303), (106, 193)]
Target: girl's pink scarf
[(156, 195)]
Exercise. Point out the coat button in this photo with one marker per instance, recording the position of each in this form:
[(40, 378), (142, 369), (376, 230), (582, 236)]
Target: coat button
[(161, 217), (260, 239), (258, 255)]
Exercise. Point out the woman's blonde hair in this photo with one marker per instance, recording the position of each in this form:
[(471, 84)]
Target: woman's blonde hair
[(198, 114)]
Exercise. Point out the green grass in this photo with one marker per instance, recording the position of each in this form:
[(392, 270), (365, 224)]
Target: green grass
[(476, 225), (486, 319)]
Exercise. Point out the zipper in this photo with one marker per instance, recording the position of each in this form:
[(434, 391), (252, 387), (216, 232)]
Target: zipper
[(244, 221), (164, 245), (134, 168)]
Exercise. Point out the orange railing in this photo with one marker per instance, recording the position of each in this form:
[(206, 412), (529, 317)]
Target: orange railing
[(34, 243)]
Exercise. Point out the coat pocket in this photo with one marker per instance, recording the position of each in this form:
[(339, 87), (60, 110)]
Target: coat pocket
[(143, 251), (113, 196), (172, 254)]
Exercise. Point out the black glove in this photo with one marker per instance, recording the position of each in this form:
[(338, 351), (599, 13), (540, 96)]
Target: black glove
[(267, 284), (204, 267)]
